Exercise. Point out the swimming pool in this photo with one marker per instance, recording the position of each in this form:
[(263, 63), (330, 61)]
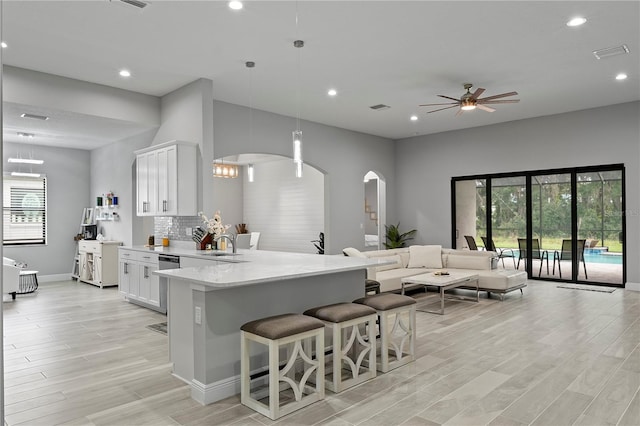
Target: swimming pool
[(602, 256), (594, 255)]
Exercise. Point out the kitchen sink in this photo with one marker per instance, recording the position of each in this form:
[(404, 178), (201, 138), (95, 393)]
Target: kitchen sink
[(224, 257)]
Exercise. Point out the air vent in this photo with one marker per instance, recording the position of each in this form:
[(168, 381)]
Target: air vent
[(611, 51), (379, 107), (34, 116), (135, 3)]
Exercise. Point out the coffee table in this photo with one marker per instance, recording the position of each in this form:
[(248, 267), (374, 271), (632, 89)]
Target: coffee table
[(444, 282)]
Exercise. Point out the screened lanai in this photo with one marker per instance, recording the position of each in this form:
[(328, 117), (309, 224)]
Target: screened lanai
[(573, 214)]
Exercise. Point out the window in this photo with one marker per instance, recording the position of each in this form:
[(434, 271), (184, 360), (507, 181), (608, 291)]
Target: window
[(24, 210)]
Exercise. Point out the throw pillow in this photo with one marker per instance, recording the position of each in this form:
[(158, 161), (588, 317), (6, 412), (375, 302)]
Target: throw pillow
[(425, 257), (352, 252)]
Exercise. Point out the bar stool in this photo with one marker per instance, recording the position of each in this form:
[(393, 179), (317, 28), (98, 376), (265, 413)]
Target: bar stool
[(398, 338), (350, 348), (288, 330), (371, 286)]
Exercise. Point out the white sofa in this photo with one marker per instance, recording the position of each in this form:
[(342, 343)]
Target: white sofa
[(417, 260)]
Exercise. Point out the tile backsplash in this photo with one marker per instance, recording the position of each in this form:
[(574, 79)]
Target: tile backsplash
[(176, 226)]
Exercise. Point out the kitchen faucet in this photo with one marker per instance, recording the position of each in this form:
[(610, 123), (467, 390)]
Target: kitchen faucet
[(231, 238)]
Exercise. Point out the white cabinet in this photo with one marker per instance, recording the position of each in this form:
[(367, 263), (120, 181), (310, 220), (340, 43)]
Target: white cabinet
[(98, 262), (167, 180), (137, 283)]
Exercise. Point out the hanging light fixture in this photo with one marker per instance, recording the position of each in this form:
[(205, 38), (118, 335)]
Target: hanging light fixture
[(297, 134), (225, 170), (250, 171)]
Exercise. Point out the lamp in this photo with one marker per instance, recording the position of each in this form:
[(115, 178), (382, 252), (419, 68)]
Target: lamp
[(467, 104), (225, 170), (250, 172), (297, 134)]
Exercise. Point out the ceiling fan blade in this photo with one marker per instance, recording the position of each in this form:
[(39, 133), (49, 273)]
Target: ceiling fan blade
[(484, 108), (435, 110), (449, 97), (500, 101), (479, 91), (460, 111), (501, 95), (448, 103)]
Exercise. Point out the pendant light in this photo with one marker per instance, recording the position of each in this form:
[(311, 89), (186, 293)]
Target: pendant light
[(297, 134), (225, 170), (250, 170)]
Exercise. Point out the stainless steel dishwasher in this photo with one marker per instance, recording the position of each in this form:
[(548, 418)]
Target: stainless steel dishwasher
[(166, 261)]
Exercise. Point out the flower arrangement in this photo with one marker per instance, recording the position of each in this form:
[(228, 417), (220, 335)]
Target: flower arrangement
[(214, 225)]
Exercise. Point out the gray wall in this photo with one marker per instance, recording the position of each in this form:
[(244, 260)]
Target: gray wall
[(67, 172), (60, 93), (344, 156), (113, 169), (425, 165), (186, 114)]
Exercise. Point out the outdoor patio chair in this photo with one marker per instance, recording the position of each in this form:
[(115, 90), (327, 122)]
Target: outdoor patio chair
[(565, 254), (502, 253), (471, 242), (536, 253)]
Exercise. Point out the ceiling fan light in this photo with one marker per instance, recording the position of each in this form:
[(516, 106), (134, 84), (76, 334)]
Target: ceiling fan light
[(467, 105)]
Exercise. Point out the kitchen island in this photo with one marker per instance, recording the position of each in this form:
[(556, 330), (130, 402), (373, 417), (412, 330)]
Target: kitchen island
[(208, 304)]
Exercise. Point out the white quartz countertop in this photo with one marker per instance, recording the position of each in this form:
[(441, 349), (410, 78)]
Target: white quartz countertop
[(257, 266), (184, 251)]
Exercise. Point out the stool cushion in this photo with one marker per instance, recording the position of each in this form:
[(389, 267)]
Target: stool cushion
[(340, 312), (280, 326), (384, 302)]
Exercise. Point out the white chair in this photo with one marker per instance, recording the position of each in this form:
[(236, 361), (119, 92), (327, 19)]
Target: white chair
[(243, 241), (10, 277), (253, 243)]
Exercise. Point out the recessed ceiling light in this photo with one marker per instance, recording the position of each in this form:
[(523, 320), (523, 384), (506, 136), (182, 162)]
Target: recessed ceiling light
[(332, 92), (3, 44), (414, 118), (235, 5), (25, 161), (621, 76), (22, 174), (576, 22), (34, 116), (125, 73)]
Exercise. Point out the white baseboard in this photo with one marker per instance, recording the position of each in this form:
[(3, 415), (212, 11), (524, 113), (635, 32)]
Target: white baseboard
[(208, 394), (632, 286), (55, 277)]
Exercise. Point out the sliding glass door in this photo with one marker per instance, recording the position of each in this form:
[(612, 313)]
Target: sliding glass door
[(600, 225), (565, 225), (551, 224), (508, 217)]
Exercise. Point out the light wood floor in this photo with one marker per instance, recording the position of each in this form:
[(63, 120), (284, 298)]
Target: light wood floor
[(78, 355)]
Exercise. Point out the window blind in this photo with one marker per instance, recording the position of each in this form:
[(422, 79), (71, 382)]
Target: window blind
[(24, 210)]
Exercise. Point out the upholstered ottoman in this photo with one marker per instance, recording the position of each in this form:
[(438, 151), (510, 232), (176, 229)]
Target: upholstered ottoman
[(501, 281)]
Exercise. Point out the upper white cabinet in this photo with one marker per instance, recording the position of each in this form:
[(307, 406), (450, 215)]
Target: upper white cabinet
[(167, 180)]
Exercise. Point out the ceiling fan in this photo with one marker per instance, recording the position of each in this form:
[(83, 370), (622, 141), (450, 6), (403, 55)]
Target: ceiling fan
[(470, 101)]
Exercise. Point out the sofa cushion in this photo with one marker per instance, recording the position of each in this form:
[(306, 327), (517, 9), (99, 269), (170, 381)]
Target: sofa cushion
[(425, 257), (501, 280), (397, 263), (462, 261)]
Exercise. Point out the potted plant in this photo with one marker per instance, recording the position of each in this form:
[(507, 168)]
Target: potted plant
[(395, 238)]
